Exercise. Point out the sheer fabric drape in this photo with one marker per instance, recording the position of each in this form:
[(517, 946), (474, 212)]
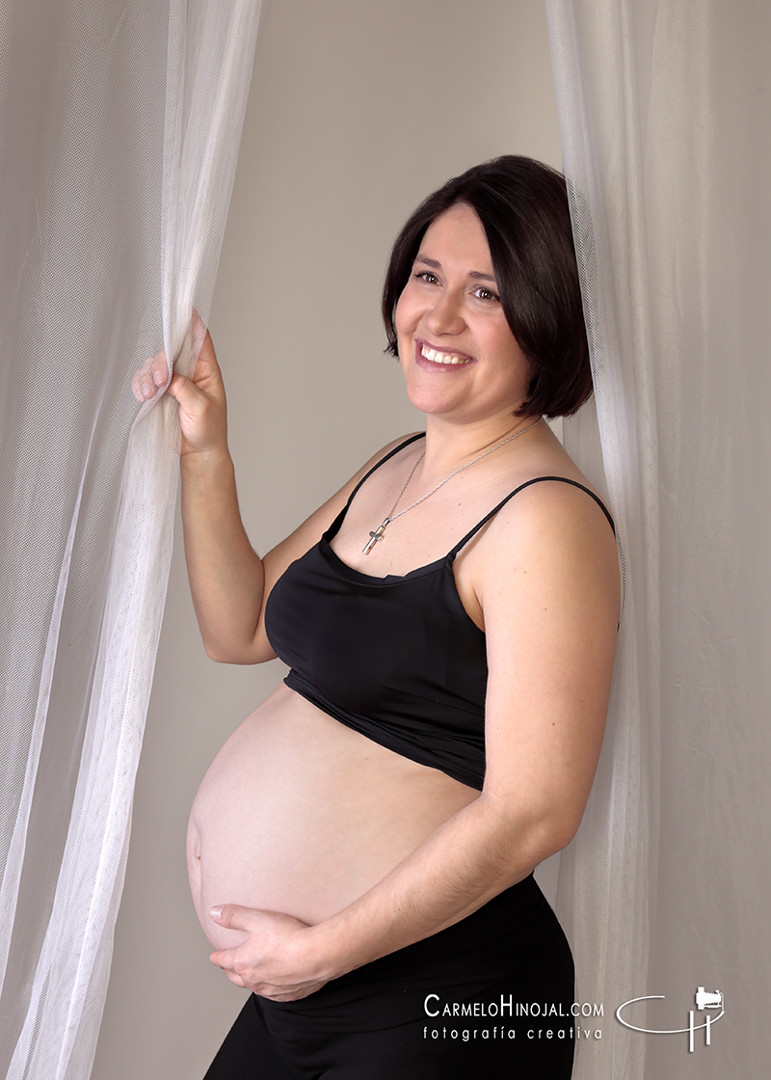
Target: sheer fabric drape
[(664, 121), (119, 125)]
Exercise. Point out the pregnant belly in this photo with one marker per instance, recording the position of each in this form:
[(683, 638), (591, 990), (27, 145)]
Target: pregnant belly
[(299, 814)]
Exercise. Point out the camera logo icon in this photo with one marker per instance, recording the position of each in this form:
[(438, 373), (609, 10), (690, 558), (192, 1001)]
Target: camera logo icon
[(706, 999)]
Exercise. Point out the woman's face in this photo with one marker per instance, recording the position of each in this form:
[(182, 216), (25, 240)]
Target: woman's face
[(458, 354)]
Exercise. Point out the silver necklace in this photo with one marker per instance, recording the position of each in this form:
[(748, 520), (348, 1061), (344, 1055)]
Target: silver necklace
[(377, 534)]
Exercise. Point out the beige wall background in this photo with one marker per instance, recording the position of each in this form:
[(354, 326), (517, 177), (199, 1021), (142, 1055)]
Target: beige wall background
[(358, 109)]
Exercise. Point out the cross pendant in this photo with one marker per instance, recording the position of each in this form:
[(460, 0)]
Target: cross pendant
[(374, 537)]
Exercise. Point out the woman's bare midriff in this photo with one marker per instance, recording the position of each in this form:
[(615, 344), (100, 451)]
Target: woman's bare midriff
[(300, 814)]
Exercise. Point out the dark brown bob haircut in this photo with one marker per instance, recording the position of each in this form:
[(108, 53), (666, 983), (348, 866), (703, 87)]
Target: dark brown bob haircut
[(523, 207)]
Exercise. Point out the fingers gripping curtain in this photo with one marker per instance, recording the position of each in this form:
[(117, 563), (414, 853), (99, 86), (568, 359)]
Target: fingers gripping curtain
[(119, 125), (664, 121)]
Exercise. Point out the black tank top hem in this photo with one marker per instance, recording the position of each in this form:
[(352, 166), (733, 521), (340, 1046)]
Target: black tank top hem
[(444, 759)]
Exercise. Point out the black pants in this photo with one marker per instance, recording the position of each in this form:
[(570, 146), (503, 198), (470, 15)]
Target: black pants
[(489, 997)]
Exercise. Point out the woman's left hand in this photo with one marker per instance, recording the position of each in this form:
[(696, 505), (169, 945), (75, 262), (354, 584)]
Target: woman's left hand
[(273, 961)]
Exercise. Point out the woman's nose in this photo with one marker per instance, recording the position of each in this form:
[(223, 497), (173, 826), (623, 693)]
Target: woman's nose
[(445, 315)]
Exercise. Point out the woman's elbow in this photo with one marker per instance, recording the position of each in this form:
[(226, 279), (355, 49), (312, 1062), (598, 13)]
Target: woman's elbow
[(227, 653), (557, 833), (537, 834)]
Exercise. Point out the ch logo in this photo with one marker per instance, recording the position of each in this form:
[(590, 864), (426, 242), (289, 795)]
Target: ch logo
[(705, 1000)]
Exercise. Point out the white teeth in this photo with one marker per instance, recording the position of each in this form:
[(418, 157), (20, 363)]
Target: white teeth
[(441, 357)]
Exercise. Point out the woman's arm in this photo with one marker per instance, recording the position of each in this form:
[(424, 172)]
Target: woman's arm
[(226, 575), (546, 577), (229, 581)]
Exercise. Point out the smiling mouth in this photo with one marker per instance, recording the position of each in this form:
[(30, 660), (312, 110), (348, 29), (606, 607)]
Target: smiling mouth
[(438, 357)]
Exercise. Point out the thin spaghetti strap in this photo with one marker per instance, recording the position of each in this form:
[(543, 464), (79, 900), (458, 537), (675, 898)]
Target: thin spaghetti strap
[(383, 460), (333, 528), (516, 491)]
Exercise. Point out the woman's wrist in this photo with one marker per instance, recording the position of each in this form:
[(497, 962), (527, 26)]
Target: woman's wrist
[(206, 462), (322, 953)]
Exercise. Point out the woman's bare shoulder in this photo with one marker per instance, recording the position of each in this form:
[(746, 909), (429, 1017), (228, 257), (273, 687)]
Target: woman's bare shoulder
[(553, 537), (553, 510)]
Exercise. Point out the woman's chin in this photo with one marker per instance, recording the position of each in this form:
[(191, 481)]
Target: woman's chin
[(433, 396)]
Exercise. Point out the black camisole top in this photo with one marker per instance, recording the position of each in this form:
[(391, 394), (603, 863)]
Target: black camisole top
[(396, 658)]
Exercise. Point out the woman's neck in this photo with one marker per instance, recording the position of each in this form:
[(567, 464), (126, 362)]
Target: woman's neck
[(449, 444)]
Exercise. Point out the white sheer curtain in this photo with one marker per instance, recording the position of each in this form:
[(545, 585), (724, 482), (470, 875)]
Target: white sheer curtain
[(664, 120), (119, 127)]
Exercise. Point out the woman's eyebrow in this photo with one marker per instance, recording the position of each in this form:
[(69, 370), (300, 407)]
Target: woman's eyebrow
[(477, 275)]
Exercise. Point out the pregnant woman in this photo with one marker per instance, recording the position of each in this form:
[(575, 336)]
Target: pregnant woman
[(361, 849)]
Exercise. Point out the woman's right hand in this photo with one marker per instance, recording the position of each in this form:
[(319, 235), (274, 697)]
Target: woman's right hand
[(202, 403)]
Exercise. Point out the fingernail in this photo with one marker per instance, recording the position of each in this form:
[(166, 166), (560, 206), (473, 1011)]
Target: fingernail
[(215, 913)]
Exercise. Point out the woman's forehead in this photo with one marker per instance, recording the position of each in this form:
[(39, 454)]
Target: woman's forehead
[(457, 237)]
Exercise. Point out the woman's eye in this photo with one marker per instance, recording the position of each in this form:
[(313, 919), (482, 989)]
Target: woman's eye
[(486, 294), (427, 276)]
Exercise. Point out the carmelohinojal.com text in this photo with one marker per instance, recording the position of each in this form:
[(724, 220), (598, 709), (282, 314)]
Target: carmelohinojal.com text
[(536, 1017)]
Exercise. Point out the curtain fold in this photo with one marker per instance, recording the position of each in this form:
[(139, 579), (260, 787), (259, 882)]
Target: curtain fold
[(120, 127), (663, 117)]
